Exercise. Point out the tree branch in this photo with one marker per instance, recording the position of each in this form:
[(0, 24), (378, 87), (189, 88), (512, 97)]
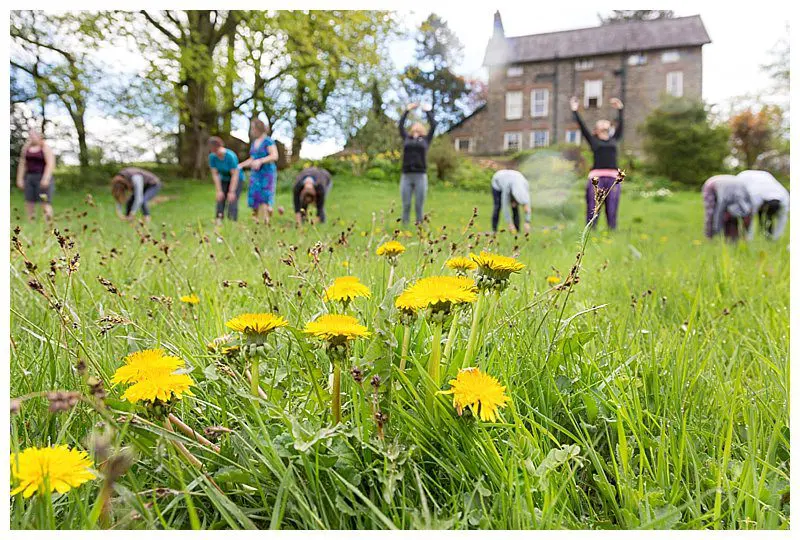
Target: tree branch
[(228, 25), (158, 26), (69, 57)]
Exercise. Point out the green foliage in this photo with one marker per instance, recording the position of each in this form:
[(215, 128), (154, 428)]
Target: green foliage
[(379, 134), (443, 156), (683, 144)]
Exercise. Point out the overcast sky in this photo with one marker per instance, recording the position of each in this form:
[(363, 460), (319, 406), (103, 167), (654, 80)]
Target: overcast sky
[(741, 41)]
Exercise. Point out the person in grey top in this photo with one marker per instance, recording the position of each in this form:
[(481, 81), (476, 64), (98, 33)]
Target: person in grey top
[(133, 188), (727, 202), (770, 200), (510, 190)]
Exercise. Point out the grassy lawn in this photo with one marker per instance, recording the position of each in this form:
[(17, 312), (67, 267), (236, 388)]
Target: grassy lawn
[(653, 394)]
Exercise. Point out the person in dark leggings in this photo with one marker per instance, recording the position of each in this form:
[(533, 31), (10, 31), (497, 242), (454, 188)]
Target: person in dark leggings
[(35, 175), (133, 188), (604, 148), (225, 173), (311, 186), (510, 190), (414, 177), (770, 201), (728, 207)]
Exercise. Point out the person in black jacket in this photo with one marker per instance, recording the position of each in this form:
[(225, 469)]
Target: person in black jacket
[(311, 186), (604, 147), (414, 177)]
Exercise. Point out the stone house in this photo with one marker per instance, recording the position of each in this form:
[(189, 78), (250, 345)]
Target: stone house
[(531, 80)]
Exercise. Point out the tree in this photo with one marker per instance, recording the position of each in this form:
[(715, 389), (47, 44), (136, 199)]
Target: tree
[(379, 132), (625, 15), (20, 118), (778, 68), (438, 51), (53, 51), (682, 143), (754, 133)]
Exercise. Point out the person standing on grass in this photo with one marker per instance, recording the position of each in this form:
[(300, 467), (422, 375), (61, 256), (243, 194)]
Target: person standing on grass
[(414, 177), (510, 190), (311, 186), (604, 147), (770, 200), (728, 207), (134, 188), (264, 171), (224, 167), (35, 175)]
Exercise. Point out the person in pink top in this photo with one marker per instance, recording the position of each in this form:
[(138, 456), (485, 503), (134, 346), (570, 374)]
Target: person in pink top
[(604, 147), (35, 175)]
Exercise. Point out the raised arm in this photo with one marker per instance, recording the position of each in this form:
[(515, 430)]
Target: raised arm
[(432, 123), (402, 124), (617, 104)]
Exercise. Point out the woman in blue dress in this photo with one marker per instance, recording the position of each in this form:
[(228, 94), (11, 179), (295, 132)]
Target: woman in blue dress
[(264, 171)]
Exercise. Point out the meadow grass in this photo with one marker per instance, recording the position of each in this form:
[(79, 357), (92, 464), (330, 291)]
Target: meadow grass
[(652, 394)]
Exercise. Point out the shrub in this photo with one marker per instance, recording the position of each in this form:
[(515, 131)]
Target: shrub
[(376, 173), (444, 157), (683, 144)]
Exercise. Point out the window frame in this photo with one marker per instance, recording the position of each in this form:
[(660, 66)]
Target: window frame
[(521, 104), (546, 138), (586, 95), (545, 102), (679, 85), (641, 59), (507, 146), (470, 144), (669, 53), (519, 71), (584, 64), (577, 133)]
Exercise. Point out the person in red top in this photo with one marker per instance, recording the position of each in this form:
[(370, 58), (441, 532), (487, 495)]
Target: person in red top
[(35, 175)]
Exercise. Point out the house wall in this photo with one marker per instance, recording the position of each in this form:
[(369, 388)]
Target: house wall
[(645, 86)]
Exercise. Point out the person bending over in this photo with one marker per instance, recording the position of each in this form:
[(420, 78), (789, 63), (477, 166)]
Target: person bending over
[(510, 190), (224, 167), (311, 186), (264, 171), (35, 175), (414, 177), (133, 188), (728, 208), (604, 147), (770, 200)]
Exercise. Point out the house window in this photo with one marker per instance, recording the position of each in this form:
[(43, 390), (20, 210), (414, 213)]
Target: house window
[(670, 57), (539, 138), (514, 71), (512, 140), (592, 94), (464, 144), (638, 59), (584, 65), (513, 105), (540, 98), (675, 83), (573, 136)]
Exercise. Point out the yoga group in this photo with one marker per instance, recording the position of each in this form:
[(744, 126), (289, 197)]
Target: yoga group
[(732, 203)]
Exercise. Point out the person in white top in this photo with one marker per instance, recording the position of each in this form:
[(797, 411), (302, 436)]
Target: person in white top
[(510, 190), (770, 201)]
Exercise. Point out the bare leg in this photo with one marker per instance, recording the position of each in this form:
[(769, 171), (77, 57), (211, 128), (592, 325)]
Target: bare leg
[(263, 212), (30, 210), (47, 209)]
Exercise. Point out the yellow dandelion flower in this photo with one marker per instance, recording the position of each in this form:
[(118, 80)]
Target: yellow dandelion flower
[(346, 264), (345, 289), (439, 293), (160, 386), (462, 264), (478, 391), (336, 329), (143, 364), (499, 265), (191, 299), (392, 248), (553, 280), (696, 242), (256, 323), (57, 468)]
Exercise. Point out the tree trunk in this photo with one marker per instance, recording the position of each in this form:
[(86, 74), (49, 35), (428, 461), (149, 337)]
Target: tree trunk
[(83, 148)]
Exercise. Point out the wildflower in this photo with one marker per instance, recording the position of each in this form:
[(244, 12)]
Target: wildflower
[(57, 468), (497, 267), (256, 324), (479, 392), (390, 249), (345, 289), (553, 280), (191, 299), (461, 265), (154, 377), (438, 294), (336, 329)]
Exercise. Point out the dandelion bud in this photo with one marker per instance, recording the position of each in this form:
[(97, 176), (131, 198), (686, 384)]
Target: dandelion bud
[(358, 375)]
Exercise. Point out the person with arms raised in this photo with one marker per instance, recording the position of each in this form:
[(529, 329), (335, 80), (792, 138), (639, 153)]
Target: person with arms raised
[(414, 177)]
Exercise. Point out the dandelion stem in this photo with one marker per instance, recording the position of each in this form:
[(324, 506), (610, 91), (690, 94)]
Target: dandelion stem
[(404, 349), (191, 433), (336, 396), (451, 337), (261, 393), (473, 331), (435, 359), (391, 277), (254, 376)]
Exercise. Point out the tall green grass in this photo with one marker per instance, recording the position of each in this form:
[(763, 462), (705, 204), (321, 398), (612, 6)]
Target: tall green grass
[(654, 395)]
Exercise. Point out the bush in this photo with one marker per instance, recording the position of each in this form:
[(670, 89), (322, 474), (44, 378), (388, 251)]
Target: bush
[(376, 173), (444, 157), (682, 144)]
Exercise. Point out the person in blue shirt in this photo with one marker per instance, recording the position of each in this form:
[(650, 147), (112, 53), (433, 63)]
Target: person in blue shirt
[(225, 172), (264, 171)]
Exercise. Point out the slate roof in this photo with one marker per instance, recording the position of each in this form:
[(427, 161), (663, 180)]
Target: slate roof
[(584, 42)]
